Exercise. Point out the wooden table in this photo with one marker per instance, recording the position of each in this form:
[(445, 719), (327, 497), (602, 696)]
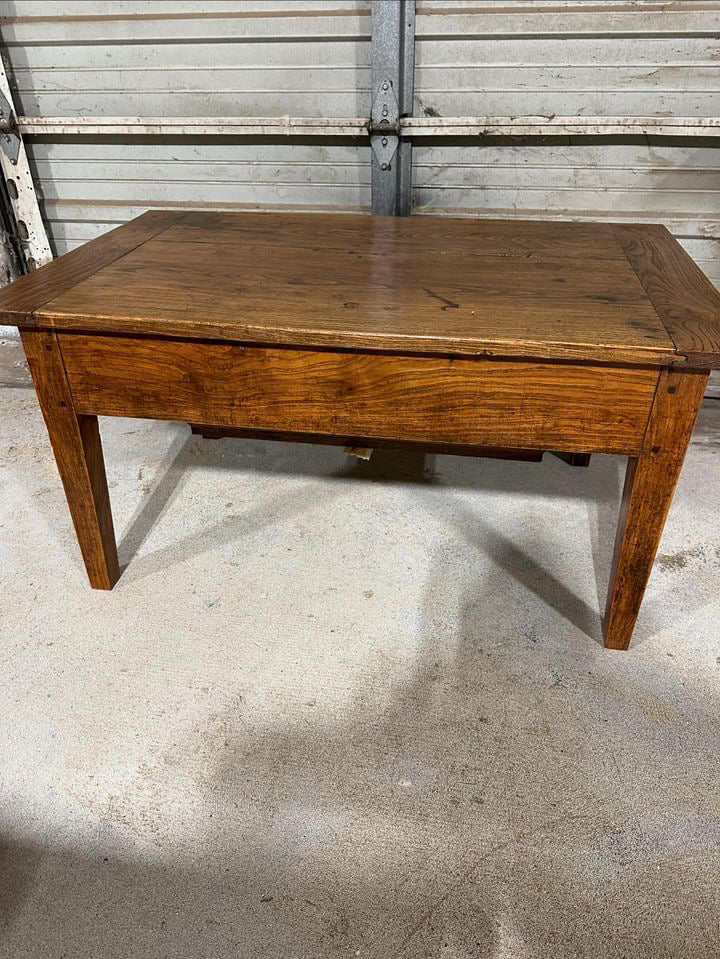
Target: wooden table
[(467, 336)]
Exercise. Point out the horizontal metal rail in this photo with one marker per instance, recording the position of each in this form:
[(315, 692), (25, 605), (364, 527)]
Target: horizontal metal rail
[(358, 126), (193, 126), (558, 126)]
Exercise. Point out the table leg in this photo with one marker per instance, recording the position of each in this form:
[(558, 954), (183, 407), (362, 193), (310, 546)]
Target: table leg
[(78, 452), (649, 486)]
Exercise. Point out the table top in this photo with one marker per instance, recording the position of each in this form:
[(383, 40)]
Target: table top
[(556, 290)]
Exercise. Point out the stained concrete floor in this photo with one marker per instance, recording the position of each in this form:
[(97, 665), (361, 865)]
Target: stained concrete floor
[(346, 709)]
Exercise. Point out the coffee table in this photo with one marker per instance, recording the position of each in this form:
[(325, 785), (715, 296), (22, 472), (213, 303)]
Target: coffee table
[(479, 337)]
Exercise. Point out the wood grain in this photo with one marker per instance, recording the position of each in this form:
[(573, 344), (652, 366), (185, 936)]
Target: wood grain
[(466, 402), (597, 292), (435, 286), (78, 452), (20, 300), (384, 236), (649, 487), (683, 297)]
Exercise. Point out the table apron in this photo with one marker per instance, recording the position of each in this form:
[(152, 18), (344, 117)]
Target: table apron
[(507, 403)]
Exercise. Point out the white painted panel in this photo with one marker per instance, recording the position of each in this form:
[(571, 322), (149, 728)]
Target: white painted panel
[(162, 22), (572, 76), (572, 176), (568, 18), (591, 75), (706, 253), (244, 59), (194, 79), (83, 9)]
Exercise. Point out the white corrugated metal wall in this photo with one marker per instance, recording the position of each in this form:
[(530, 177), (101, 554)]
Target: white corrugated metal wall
[(180, 58)]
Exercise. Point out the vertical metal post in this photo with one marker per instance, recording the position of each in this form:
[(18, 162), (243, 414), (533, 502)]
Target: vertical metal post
[(393, 68)]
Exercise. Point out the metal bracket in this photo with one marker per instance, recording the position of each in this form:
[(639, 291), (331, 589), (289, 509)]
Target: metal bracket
[(384, 113), (383, 128), (10, 138), (384, 147)]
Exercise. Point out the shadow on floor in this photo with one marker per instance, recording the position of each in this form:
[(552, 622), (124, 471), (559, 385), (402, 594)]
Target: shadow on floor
[(600, 485)]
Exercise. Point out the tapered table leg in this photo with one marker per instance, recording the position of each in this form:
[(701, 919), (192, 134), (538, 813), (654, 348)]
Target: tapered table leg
[(78, 452), (649, 486)]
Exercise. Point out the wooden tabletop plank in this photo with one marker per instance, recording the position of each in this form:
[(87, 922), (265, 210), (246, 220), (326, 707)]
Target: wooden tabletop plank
[(582, 291), (465, 287), (683, 297), (388, 235), (21, 299)]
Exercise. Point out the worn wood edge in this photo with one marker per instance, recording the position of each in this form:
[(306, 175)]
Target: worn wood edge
[(20, 300), (430, 352), (250, 335), (657, 242), (379, 440), (324, 439), (327, 439)]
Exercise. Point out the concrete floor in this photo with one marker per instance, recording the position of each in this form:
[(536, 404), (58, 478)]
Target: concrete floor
[(346, 709)]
